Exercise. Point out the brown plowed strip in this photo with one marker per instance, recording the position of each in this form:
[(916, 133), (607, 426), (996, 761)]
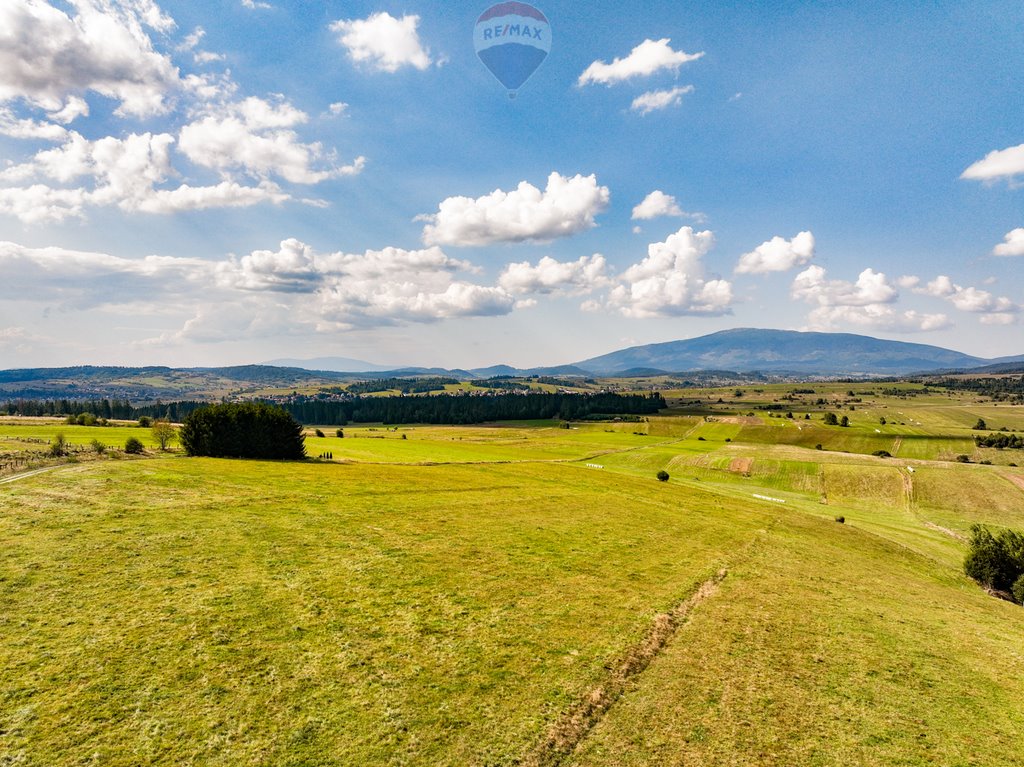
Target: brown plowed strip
[(567, 733), (741, 465)]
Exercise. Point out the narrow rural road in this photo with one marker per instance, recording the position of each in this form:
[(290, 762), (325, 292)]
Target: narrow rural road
[(26, 475)]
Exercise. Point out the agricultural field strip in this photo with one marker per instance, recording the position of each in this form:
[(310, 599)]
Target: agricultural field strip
[(578, 459), (810, 507)]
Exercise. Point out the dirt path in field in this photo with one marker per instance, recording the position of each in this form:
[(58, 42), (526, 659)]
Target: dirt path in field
[(568, 732), (946, 531), (896, 445), (908, 488), (1016, 479), (25, 475)]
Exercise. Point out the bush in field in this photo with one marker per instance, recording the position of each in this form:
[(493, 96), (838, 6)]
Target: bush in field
[(845, 421), (662, 476), (133, 446), (59, 446), (98, 447), (995, 560), (830, 419), (243, 430), (980, 425), (1018, 590), (319, 433), (340, 433)]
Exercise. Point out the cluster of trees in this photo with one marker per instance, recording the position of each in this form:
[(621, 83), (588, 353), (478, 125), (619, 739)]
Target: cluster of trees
[(1000, 441), (831, 420), (404, 385), (1001, 388), (996, 561), (502, 382), (243, 430)]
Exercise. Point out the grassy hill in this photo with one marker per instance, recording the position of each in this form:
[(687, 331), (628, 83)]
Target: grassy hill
[(519, 594)]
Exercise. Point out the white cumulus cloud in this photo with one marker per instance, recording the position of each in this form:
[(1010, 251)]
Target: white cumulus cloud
[(256, 136), (657, 204), (875, 317), (383, 42), (653, 101), (670, 281), (870, 288), (645, 59), (565, 207), (1002, 163), (48, 56), (778, 255), (548, 275), (27, 128), (114, 172), (867, 303), (1013, 244), (971, 299), (288, 290)]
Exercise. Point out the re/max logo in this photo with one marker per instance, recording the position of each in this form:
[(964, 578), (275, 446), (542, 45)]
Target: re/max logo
[(510, 30)]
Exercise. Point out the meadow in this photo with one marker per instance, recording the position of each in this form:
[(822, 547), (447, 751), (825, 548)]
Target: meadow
[(521, 594)]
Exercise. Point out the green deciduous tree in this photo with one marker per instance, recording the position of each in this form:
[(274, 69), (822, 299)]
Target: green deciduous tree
[(163, 433), (995, 560)]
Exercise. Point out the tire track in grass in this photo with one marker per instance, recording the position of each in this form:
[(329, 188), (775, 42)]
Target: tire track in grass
[(26, 475), (572, 728)]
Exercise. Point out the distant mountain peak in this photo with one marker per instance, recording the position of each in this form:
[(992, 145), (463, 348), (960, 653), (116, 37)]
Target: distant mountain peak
[(790, 351), (333, 364)]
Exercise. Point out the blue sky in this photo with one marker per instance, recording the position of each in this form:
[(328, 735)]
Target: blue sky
[(228, 182)]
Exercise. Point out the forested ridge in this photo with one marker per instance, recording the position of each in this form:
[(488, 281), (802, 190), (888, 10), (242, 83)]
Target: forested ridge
[(462, 408)]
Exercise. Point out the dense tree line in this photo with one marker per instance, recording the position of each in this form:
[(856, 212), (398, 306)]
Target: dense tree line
[(999, 388), (446, 409), (473, 408), (242, 430), (1000, 441)]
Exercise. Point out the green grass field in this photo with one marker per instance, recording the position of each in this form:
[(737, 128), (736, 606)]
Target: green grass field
[(463, 596)]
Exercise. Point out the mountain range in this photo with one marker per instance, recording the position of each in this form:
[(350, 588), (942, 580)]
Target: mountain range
[(789, 351), (741, 349), (741, 354)]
